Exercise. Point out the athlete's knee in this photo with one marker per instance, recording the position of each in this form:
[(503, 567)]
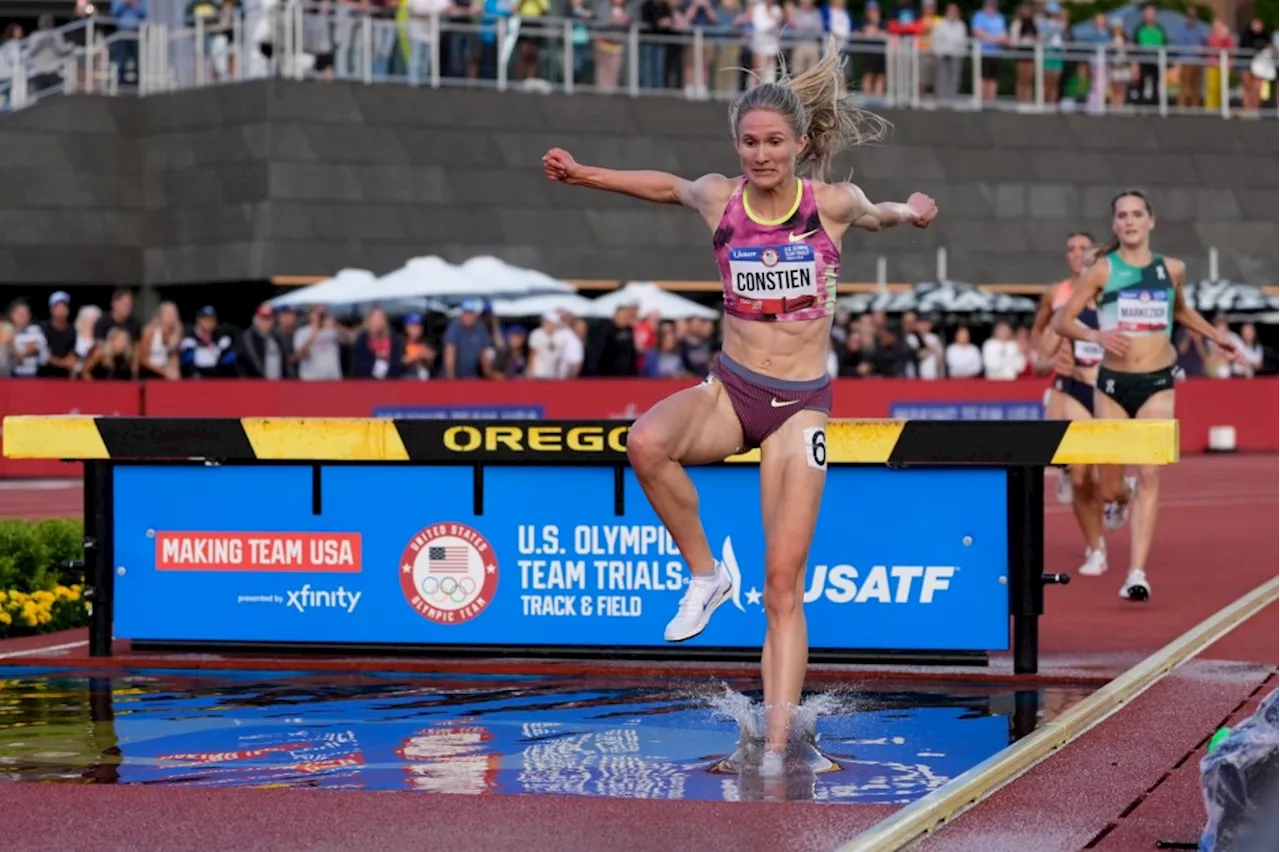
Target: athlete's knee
[(783, 596), (647, 447), (1114, 490), (1082, 477), (1148, 479)]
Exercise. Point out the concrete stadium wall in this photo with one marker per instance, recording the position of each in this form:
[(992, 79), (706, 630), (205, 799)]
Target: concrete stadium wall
[(282, 178)]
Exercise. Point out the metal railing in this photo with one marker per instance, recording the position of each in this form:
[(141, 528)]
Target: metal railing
[(298, 41)]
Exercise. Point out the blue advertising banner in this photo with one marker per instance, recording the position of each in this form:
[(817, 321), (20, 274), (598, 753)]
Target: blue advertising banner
[(901, 559), (984, 410), (585, 742)]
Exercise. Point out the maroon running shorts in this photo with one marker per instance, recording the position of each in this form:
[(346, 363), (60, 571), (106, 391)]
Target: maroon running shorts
[(763, 404)]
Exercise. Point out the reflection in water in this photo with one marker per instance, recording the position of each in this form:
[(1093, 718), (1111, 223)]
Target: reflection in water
[(487, 735)]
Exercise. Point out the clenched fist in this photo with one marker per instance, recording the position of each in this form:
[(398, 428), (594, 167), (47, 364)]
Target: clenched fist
[(924, 207), (559, 165)]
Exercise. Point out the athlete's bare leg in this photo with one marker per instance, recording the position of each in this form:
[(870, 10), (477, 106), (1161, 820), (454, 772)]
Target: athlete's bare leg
[(694, 426), (1111, 484), (1084, 490), (1143, 520), (790, 495)]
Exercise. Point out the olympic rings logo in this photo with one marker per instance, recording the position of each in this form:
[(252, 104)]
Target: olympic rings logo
[(441, 591)]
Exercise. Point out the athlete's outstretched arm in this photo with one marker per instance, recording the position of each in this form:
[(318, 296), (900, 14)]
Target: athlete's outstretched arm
[(658, 187), (853, 208), (1190, 318)]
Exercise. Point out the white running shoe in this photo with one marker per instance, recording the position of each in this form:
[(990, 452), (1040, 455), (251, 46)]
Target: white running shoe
[(1095, 563), (700, 600), (1114, 515), (1065, 495), (1136, 587)]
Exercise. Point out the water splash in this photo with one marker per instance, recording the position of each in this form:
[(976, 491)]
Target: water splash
[(802, 753)]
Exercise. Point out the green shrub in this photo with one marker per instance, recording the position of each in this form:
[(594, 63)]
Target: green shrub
[(38, 595)]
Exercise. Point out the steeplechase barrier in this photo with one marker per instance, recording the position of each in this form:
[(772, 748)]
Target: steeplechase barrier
[(534, 538)]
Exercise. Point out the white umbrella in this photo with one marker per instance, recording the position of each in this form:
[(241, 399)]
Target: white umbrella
[(536, 306), (649, 297), (340, 286), (424, 278), (498, 276)]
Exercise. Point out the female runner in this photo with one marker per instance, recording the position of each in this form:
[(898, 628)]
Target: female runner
[(777, 243), (1078, 245), (1139, 297), (1077, 370)]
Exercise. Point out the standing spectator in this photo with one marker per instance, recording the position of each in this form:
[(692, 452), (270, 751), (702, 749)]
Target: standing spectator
[(1190, 38), (875, 40), (964, 359), (6, 348), (30, 349), (610, 43), (697, 348), (618, 345), (892, 357), (1055, 31), (45, 53), (766, 32), (699, 15), (928, 349), (318, 348), (1191, 351), (1247, 342), (805, 26), (468, 344), (1120, 65), (161, 341), (1253, 40), (129, 16), (582, 16), (929, 18), (529, 44), (61, 339), (113, 360), (1150, 37), (262, 350), (546, 348), (10, 62), (515, 362), (665, 360), (86, 318), (120, 316), (287, 326), (1002, 359), (208, 351), (378, 352), (950, 45), (855, 360), (419, 357), (656, 21), (419, 30), (989, 27), (1024, 35), (1219, 42)]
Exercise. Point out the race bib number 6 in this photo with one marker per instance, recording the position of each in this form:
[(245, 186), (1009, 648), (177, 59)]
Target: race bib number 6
[(815, 444)]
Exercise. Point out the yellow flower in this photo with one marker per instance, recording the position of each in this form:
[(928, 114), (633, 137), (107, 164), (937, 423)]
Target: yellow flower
[(43, 596), (28, 619), (5, 618), (3, 596)]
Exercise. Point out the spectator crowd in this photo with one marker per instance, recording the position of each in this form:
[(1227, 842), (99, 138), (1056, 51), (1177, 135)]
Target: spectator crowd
[(736, 43), (112, 344)]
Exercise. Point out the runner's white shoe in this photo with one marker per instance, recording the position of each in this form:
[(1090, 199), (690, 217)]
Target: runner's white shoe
[(1115, 514), (1136, 587), (700, 600), (1095, 562), (1064, 487)]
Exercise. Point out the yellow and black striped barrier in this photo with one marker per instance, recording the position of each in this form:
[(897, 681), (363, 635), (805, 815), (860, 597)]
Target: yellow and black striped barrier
[(1033, 443)]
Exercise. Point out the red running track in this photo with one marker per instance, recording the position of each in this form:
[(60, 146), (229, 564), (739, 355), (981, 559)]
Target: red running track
[(1128, 782)]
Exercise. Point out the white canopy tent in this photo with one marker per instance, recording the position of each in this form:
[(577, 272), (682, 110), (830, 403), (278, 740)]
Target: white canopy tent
[(536, 306), (649, 297), (498, 277), (339, 287)]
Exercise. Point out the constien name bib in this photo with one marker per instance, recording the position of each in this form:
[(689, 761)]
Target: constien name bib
[(1140, 312), (774, 272)]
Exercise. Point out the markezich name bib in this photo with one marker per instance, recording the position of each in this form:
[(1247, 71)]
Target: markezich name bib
[(1141, 312), (774, 272)]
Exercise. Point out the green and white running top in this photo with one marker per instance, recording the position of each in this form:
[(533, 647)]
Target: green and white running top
[(1137, 300)]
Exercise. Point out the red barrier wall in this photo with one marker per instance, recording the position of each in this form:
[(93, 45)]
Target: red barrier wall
[(19, 396), (1251, 406)]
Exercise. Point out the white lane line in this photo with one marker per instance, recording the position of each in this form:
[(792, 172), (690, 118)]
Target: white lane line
[(31, 652)]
